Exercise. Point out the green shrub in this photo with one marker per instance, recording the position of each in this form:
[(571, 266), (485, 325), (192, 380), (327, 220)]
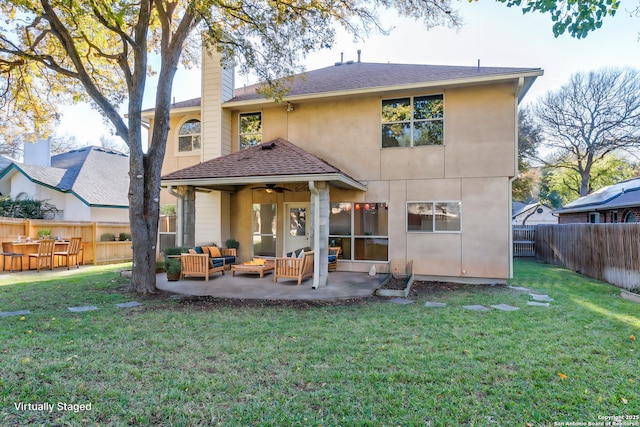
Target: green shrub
[(107, 237)]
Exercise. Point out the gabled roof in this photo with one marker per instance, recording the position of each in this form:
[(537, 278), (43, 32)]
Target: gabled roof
[(276, 161), (360, 77), (621, 195), (97, 176)]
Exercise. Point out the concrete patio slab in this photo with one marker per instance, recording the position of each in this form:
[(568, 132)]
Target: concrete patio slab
[(341, 285)]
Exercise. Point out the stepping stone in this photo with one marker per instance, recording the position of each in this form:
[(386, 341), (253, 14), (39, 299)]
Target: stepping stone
[(505, 307), (435, 304), (401, 301), (14, 313), (81, 309), (476, 307), (537, 297), (538, 304), (519, 288), (128, 304)]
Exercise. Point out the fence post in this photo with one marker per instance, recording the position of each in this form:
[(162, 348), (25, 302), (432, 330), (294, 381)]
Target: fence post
[(95, 239)]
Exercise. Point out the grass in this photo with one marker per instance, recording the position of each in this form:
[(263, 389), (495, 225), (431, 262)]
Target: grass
[(375, 364)]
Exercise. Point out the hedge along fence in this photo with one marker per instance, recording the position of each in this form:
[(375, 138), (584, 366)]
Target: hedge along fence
[(94, 251), (608, 252)]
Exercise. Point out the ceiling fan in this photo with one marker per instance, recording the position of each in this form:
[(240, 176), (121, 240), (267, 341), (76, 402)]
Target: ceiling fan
[(270, 188)]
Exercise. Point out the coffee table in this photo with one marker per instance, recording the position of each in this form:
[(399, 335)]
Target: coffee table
[(252, 268)]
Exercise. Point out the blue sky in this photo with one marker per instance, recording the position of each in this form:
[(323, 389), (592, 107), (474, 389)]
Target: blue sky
[(492, 33)]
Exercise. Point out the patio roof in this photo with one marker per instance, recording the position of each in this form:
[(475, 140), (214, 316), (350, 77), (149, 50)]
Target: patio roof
[(276, 161)]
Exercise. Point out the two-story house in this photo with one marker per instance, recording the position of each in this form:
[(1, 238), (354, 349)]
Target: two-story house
[(387, 161)]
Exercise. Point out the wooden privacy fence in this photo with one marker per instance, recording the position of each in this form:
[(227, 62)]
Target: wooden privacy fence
[(524, 237), (94, 251), (609, 252)]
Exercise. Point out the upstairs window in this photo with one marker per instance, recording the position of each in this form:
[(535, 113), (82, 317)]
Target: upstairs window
[(189, 136), (250, 130), (413, 121)]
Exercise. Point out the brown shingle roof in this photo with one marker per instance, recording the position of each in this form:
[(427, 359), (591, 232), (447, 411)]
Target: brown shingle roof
[(274, 158), (361, 76)]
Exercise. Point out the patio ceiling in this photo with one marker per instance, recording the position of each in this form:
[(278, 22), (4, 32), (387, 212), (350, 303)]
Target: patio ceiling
[(274, 162)]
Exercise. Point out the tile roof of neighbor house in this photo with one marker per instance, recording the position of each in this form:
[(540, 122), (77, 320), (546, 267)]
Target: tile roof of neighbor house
[(97, 176), (354, 76), (621, 195), (278, 157)]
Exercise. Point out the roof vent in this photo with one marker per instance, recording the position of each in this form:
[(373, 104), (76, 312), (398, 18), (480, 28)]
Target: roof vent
[(268, 146)]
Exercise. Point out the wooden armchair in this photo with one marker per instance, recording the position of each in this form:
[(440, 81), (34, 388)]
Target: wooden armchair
[(294, 268), (198, 265), (72, 252), (334, 253), (44, 255)]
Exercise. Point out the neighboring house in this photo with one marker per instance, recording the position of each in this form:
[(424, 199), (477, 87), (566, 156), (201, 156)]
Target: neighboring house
[(533, 214), (87, 184), (616, 203), (387, 161), (4, 163)]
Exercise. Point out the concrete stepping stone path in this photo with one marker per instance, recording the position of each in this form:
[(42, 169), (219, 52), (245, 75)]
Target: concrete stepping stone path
[(505, 307), (81, 309), (435, 304), (401, 301), (14, 313), (476, 307), (538, 304), (129, 304), (543, 298)]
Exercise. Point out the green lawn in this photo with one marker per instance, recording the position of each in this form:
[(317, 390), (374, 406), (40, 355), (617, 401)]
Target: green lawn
[(374, 364)]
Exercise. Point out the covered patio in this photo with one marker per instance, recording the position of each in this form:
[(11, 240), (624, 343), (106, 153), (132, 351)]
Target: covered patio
[(343, 285)]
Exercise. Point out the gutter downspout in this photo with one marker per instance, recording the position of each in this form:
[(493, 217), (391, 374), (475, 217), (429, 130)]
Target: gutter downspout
[(316, 234), (518, 88), (179, 215)]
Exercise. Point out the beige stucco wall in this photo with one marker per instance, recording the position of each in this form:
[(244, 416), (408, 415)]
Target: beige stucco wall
[(473, 166)]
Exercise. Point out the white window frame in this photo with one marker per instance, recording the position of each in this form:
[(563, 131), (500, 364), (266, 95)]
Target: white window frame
[(412, 120), (594, 217), (192, 151), (433, 231), (240, 134)]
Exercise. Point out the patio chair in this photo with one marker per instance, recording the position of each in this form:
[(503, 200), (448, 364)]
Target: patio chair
[(72, 252), (8, 253), (294, 268), (198, 265), (334, 253), (44, 254)]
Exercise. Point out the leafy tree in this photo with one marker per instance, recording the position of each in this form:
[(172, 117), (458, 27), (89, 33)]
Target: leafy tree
[(565, 183), (528, 141), (56, 51), (595, 115)]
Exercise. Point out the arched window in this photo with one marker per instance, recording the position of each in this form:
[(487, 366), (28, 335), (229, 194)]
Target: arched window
[(189, 136), (630, 217)]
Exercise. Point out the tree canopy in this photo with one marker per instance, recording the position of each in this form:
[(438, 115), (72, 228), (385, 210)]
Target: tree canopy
[(592, 116)]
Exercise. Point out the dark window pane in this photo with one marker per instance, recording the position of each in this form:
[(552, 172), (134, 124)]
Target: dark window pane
[(370, 219), (447, 216), (184, 143), (396, 135), (340, 219), (396, 110), (428, 133), (190, 128), (428, 107), (196, 142), (251, 123), (344, 243), (420, 217), (367, 249)]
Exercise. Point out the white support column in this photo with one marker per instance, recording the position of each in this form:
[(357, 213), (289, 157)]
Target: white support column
[(320, 208)]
